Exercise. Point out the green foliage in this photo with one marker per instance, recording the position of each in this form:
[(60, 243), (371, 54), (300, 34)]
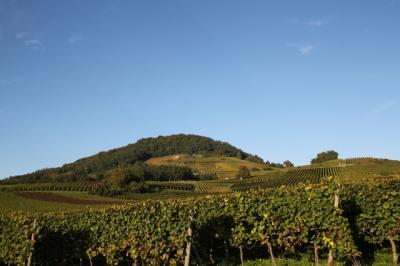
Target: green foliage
[(117, 162), (288, 164), (380, 207), (325, 156), (277, 165), (140, 171), (155, 232), (243, 172), (15, 238), (375, 211), (254, 158)]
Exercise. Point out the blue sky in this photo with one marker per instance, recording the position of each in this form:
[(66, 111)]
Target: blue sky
[(281, 79)]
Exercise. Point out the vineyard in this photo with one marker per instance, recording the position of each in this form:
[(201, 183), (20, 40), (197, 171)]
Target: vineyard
[(288, 178), (280, 221), (50, 187), (272, 180), (218, 166), (180, 186), (84, 187), (212, 188)]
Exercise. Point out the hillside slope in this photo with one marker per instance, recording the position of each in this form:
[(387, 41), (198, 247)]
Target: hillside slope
[(346, 171), (103, 164), (358, 169), (218, 166)]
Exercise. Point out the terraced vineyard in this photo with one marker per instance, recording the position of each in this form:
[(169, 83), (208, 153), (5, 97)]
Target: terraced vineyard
[(219, 166), (288, 178)]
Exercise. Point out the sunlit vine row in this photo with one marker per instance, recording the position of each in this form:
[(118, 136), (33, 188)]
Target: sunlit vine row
[(290, 177), (156, 232)]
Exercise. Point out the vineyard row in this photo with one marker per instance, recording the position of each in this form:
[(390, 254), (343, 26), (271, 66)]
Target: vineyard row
[(156, 233)]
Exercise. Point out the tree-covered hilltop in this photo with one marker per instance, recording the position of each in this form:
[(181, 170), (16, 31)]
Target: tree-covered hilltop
[(325, 156), (120, 163)]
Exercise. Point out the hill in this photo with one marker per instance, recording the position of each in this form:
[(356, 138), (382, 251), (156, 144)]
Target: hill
[(128, 161)]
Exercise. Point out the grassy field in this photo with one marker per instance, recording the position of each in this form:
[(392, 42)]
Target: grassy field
[(61, 201), (11, 202), (381, 258)]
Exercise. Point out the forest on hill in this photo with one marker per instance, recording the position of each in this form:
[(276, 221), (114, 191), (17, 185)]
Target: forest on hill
[(127, 163)]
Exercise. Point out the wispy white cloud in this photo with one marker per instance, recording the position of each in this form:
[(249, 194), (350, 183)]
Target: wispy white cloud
[(303, 49), (312, 23), (35, 44), (378, 110), (315, 23), (21, 35), (306, 50), (75, 38)]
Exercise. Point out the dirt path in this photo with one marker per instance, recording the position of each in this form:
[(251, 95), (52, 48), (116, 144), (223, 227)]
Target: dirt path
[(47, 196)]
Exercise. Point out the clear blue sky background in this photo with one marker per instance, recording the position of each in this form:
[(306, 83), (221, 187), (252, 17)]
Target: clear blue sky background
[(281, 79)]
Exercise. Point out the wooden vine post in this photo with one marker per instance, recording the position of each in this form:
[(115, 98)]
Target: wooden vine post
[(336, 205), (33, 243), (316, 259), (241, 255), (395, 256), (271, 253), (189, 243)]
